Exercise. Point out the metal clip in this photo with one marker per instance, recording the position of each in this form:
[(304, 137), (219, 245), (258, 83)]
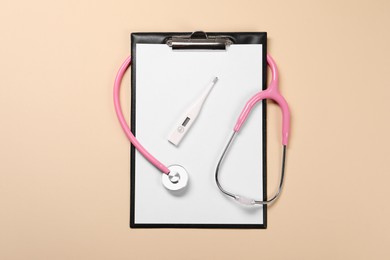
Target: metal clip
[(199, 40)]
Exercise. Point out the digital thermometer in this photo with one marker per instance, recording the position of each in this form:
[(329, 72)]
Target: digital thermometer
[(185, 122)]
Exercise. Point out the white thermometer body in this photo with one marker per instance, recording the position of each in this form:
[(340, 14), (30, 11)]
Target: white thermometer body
[(186, 121)]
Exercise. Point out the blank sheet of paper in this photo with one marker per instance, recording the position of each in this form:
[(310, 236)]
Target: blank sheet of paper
[(167, 83)]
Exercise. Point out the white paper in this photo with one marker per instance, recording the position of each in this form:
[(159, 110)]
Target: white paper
[(167, 83)]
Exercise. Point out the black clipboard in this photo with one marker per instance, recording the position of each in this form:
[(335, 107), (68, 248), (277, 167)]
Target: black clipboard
[(188, 41)]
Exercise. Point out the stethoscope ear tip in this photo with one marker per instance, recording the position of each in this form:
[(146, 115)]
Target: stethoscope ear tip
[(176, 179), (244, 200)]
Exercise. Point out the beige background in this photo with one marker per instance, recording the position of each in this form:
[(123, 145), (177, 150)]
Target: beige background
[(64, 169)]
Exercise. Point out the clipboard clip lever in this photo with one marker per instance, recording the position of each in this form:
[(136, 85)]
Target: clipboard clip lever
[(199, 40)]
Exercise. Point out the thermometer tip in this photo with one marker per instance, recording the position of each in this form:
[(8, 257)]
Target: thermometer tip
[(215, 80)]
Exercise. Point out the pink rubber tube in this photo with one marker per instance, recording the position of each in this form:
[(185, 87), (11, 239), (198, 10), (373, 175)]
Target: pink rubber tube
[(123, 123), (272, 92)]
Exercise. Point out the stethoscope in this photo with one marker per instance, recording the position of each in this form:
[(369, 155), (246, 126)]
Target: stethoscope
[(175, 177)]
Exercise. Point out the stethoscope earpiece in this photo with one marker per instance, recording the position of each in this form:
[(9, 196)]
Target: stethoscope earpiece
[(244, 200)]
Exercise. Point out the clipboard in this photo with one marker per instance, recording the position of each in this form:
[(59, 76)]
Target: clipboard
[(168, 69)]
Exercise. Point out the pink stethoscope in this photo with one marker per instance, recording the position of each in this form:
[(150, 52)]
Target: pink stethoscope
[(175, 177)]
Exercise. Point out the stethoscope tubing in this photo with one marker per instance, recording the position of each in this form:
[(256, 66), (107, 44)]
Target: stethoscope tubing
[(272, 92), (125, 126)]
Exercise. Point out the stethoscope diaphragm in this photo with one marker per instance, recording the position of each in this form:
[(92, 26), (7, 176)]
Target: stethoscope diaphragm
[(176, 179)]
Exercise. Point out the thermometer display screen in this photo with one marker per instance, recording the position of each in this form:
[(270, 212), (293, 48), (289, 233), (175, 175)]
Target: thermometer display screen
[(185, 121)]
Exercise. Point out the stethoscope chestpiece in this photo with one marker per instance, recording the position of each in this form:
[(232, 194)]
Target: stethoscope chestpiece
[(177, 179)]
